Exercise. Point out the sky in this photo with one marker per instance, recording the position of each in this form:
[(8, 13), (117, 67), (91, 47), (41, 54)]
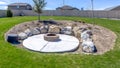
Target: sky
[(53, 4)]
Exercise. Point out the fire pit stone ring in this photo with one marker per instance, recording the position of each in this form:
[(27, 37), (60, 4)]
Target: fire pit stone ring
[(51, 37)]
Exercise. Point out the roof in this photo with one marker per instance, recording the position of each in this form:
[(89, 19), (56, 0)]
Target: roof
[(66, 7), (20, 4), (113, 8)]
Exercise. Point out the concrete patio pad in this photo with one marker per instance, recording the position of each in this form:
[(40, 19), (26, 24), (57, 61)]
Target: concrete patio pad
[(65, 44)]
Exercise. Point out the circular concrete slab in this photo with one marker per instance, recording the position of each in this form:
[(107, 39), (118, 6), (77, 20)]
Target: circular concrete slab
[(65, 44)]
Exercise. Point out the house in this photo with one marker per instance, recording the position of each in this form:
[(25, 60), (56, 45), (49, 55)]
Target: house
[(66, 7), (20, 6), (116, 8)]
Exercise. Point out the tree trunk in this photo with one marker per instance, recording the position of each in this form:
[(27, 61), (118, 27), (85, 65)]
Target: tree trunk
[(39, 17)]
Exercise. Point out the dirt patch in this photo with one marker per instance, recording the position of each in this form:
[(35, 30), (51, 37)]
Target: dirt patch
[(103, 38)]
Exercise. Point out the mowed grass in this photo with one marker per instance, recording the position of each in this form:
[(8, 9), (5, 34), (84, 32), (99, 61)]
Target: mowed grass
[(13, 57)]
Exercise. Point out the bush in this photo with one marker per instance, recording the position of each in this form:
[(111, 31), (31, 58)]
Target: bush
[(9, 13)]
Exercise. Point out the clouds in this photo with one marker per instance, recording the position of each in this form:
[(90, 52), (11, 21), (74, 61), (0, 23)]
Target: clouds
[(3, 5), (7, 1)]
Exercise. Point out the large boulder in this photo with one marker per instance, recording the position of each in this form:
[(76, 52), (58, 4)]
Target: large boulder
[(35, 31), (66, 30), (22, 36), (78, 34), (28, 32), (44, 29), (54, 29), (86, 34), (88, 46), (76, 31)]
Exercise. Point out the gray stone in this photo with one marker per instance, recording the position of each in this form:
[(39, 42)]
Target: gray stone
[(88, 46), (66, 30), (28, 32), (44, 29), (22, 36), (35, 31), (86, 34), (89, 32)]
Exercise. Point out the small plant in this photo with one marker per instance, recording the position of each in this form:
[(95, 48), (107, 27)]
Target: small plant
[(9, 13)]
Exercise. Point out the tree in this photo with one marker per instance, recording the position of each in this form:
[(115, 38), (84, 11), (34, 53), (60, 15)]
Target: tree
[(9, 13), (38, 7)]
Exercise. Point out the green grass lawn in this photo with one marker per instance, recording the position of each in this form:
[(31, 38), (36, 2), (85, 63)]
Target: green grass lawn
[(12, 57)]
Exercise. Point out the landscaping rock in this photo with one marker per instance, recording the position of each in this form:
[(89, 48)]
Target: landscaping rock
[(89, 32), (67, 30), (22, 36), (76, 30), (85, 36), (88, 46), (54, 29), (28, 32), (35, 31), (78, 34), (44, 29)]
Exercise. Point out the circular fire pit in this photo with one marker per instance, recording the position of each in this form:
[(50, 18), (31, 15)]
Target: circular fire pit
[(51, 37)]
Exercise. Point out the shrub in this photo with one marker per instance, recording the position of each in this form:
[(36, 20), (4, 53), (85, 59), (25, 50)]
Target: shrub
[(9, 13)]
